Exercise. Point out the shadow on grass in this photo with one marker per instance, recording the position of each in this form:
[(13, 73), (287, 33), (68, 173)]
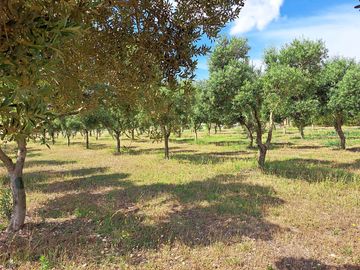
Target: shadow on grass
[(354, 149), (93, 145), (159, 150), (35, 180), (311, 170), (278, 145), (83, 183), (205, 142), (307, 147), (291, 263), (213, 157), (200, 213), (34, 163)]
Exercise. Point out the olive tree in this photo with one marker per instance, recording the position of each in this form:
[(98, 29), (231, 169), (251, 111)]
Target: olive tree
[(32, 34), (168, 109), (306, 59), (339, 93), (229, 69)]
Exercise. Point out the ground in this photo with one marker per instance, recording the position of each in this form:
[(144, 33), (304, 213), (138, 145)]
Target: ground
[(209, 207)]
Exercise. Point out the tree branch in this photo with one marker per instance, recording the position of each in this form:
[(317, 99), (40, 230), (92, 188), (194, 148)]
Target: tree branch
[(9, 164)]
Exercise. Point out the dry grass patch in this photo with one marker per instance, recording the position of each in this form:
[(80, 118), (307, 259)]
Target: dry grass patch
[(206, 208)]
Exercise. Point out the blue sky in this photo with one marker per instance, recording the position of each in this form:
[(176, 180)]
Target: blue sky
[(273, 23)]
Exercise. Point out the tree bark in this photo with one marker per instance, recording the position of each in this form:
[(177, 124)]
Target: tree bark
[(68, 139), (53, 137), (262, 155), (250, 136), (196, 133), (87, 138), (166, 135), (338, 127), (118, 142), (44, 136), (133, 134), (209, 129), (301, 129), (263, 147), (15, 172)]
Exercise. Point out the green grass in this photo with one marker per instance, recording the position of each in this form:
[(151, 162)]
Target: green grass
[(209, 207)]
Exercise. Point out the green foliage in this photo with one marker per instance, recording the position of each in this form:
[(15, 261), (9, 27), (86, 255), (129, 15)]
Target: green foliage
[(345, 96), (293, 73), (32, 36), (44, 263), (229, 69), (170, 109)]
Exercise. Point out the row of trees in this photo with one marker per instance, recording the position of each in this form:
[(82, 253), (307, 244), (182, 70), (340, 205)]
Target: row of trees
[(60, 58), (130, 64), (297, 83)]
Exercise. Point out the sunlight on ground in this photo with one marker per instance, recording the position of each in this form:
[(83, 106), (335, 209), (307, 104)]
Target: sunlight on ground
[(209, 207)]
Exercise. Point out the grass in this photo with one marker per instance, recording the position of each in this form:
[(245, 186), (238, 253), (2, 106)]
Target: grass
[(208, 207)]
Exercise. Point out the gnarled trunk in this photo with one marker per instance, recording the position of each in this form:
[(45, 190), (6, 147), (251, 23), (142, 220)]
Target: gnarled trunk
[(87, 138), (52, 137), (338, 127), (262, 155), (301, 129), (263, 147), (166, 135), (196, 133), (250, 135), (15, 172), (118, 142)]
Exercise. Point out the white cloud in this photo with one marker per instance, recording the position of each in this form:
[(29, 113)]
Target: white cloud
[(256, 14), (338, 28)]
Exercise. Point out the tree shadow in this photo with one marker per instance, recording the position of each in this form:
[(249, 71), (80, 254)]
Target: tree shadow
[(34, 163), (220, 209), (291, 263), (355, 165), (93, 145), (354, 149), (229, 143), (310, 170), (307, 147), (212, 157), (82, 183), (277, 145), (35, 180), (152, 151)]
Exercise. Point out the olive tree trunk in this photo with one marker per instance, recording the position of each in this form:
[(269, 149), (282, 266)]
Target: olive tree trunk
[(338, 127), (301, 129), (118, 142), (250, 135), (15, 172), (263, 147), (166, 135), (209, 128), (52, 137), (87, 138), (68, 139), (196, 133)]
